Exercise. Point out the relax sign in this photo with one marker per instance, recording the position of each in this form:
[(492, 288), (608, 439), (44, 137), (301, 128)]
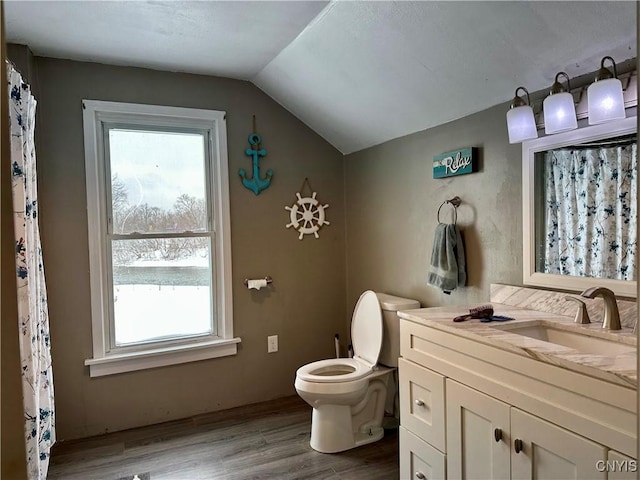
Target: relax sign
[(454, 163)]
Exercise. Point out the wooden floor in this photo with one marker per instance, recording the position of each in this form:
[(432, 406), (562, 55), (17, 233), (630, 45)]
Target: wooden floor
[(264, 441)]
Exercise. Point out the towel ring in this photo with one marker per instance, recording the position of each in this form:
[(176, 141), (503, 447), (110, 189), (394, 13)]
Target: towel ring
[(455, 203)]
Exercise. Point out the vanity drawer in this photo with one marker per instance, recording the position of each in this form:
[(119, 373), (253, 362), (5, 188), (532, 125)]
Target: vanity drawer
[(418, 459), (415, 342), (422, 402)]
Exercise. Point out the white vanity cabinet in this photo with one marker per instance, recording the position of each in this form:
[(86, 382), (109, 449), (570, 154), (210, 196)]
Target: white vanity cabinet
[(548, 451), (469, 410), (419, 459), (422, 396), (478, 434), (621, 467), (487, 438)]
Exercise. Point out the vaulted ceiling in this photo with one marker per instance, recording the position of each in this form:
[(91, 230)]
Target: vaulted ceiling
[(359, 73)]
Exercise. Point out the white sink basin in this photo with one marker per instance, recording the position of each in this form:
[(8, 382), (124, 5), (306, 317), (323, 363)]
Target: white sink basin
[(584, 341)]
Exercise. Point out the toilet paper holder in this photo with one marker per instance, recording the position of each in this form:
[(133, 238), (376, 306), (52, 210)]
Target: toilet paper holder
[(267, 279)]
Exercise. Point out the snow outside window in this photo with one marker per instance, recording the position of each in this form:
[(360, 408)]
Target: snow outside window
[(160, 256)]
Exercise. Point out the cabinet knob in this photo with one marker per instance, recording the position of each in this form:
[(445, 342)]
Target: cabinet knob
[(419, 403), (497, 434), (517, 445), (420, 475)]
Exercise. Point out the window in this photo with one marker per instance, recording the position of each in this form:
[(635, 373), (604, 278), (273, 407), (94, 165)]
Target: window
[(159, 236)]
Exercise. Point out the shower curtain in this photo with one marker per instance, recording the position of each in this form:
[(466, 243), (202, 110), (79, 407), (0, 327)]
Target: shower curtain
[(33, 316), (590, 204)]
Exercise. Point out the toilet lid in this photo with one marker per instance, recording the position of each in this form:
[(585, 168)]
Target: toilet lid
[(366, 328)]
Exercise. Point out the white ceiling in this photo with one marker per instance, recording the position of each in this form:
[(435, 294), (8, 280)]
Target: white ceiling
[(359, 73)]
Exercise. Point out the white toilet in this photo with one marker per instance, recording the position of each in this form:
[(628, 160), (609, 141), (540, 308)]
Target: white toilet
[(348, 395)]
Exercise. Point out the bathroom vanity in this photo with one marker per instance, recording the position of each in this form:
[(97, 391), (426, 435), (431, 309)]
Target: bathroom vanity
[(534, 397)]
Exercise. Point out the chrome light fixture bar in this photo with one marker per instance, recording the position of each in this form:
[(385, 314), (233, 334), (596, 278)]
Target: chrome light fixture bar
[(559, 108), (521, 123)]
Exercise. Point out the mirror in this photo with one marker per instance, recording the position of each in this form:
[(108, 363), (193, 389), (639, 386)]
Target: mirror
[(579, 208)]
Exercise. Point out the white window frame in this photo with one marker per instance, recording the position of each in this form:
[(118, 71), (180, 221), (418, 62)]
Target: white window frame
[(625, 288), (105, 360)]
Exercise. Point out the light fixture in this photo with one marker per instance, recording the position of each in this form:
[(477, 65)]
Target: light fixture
[(520, 121), (559, 109), (604, 96)]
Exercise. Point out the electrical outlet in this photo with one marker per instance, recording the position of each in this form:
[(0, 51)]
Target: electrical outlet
[(272, 343)]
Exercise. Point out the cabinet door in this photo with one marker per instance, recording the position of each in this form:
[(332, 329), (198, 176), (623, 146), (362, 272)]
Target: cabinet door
[(422, 402), (620, 467), (550, 452), (418, 459), (477, 434)]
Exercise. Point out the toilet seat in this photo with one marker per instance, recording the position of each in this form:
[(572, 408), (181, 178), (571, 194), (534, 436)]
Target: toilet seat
[(366, 336), (334, 370)]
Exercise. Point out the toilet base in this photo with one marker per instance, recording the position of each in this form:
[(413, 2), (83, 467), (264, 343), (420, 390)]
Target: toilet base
[(372, 435), (332, 430), (349, 420)]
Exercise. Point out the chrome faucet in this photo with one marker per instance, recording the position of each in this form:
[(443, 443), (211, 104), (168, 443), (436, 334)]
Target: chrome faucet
[(611, 319)]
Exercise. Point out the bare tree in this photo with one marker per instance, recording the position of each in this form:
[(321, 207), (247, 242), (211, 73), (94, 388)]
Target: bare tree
[(188, 214), (119, 204), (191, 213)]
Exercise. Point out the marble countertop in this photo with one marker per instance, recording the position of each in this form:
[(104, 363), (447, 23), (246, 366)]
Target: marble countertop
[(620, 368)]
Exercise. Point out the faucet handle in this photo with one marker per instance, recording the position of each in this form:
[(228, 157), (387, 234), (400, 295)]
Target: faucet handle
[(582, 315)]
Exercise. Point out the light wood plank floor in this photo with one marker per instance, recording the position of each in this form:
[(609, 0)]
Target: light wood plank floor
[(268, 440)]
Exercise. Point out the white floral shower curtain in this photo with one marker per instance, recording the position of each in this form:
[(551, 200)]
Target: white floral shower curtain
[(33, 316), (591, 210)]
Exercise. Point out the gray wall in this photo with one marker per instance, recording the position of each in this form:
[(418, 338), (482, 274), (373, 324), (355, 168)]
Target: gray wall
[(386, 195), (25, 63), (305, 305), (392, 204)]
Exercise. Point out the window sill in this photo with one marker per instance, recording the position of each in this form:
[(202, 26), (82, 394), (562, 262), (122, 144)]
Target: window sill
[(159, 357)]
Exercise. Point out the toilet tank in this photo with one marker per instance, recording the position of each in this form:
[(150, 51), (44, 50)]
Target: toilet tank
[(390, 305)]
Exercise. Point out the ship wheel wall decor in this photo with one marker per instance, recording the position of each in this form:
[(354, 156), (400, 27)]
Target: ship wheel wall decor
[(307, 214)]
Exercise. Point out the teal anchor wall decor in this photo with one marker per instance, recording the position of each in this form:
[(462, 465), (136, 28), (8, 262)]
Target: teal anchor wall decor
[(255, 184)]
